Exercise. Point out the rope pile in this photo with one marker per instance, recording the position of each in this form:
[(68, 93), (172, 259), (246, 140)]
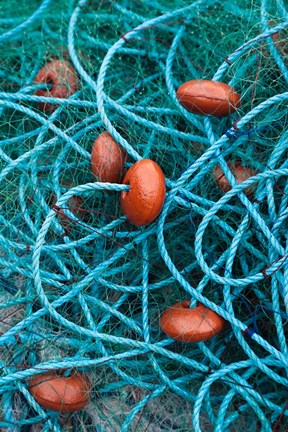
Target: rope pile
[(82, 288)]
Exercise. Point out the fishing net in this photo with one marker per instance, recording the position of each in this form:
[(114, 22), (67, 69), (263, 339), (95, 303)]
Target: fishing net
[(83, 289)]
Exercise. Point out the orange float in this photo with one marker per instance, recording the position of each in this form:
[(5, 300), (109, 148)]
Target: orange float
[(63, 79), (208, 97), (59, 393), (144, 201), (241, 174), (185, 324), (107, 159), (280, 42)]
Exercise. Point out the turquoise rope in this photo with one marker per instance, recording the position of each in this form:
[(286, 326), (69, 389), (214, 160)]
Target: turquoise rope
[(95, 290)]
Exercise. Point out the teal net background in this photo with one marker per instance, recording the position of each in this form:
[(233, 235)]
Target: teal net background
[(87, 293)]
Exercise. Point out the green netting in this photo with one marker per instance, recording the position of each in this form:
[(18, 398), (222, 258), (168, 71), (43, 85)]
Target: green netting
[(83, 289)]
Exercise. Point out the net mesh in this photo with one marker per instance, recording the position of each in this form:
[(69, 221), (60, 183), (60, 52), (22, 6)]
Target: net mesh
[(81, 287)]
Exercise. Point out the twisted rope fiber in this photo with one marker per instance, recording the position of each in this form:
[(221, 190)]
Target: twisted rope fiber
[(87, 294)]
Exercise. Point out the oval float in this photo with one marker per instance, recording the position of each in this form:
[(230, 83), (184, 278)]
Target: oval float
[(240, 173), (63, 79), (208, 97), (144, 201), (59, 393), (186, 324), (107, 159), (280, 42)]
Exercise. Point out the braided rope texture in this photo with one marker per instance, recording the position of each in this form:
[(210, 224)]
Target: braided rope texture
[(84, 289)]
